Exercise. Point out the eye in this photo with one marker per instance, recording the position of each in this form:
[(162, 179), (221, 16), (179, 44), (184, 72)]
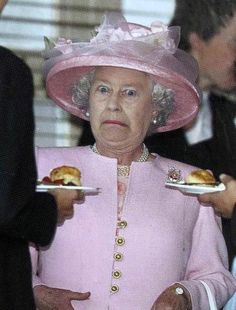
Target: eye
[(103, 89), (130, 92)]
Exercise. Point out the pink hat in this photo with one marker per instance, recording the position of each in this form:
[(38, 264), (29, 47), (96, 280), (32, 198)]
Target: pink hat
[(120, 44)]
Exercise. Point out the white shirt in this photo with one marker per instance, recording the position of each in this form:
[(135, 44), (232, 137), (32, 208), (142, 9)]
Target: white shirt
[(202, 128)]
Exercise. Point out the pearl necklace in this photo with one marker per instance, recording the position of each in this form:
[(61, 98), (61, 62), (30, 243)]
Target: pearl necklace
[(124, 170)]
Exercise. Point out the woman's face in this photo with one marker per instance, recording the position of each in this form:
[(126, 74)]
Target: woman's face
[(120, 106)]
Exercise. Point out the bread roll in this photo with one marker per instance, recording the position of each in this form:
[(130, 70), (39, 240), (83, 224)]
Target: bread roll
[(200, 176), (67, 174)]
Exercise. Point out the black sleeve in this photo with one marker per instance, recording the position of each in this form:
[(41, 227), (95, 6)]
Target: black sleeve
[(35, 222), (17, 162), (173, 144), (233, 227)]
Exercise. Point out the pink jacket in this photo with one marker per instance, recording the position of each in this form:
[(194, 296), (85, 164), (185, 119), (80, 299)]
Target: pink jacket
[(169, 238)]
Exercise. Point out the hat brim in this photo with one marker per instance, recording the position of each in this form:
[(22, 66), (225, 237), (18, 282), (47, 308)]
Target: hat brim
[(63, 76)]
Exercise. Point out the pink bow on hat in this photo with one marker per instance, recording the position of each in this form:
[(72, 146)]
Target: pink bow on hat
[(118, 31)]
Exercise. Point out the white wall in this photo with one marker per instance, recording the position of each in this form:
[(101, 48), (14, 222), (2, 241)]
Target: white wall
[(147, 11)]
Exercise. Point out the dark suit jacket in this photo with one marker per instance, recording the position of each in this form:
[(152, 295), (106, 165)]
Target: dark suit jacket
[(25, 216), (217, 154), (233, 226)]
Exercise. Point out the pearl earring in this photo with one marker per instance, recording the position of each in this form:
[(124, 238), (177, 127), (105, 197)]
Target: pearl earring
[(154, 120), (87, 114)]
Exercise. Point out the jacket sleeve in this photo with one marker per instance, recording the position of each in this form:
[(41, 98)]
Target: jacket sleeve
[(19, 205), (208, 262), (233, 226), (36, 221)]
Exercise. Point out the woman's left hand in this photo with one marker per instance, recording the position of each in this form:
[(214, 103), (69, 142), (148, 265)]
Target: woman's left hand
[(170, 300)]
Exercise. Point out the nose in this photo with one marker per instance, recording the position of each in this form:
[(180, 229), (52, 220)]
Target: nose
[(113, 103)]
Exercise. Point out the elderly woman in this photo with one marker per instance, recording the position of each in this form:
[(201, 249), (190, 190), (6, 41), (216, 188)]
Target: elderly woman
[(136, 244)]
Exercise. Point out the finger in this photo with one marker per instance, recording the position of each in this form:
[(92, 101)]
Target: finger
[(217, 212), (64, 214), (208, 199), (225, 178), (78, 296), (77, 196), (81, 195), (72, 194), (68, 213), (205, 198)]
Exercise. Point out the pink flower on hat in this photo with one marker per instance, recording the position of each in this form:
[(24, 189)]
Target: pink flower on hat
[(164, 39), (111, 35), (158, 34), (64, 45)]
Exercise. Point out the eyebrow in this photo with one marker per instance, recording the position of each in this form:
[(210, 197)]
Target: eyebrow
[(95, 80), (125, 85)]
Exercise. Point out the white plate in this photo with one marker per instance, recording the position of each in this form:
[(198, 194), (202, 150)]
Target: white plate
[(196, 189), (85, 189)]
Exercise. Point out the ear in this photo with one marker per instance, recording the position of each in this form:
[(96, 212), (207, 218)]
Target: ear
[(195, 42), (154, 113), (154, 117)]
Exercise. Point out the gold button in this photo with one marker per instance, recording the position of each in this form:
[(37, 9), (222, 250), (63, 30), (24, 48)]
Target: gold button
[(116, 274), (122, 224), (118, 256), (120, 241), (114, 288)]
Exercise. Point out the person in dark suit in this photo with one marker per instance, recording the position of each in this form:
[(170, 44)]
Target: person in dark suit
[(25, 216), (224, 202), (208, 33)]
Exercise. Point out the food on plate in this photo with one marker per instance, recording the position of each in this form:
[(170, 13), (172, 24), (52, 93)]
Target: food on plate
[(64, 175), (200, 176), (67, 174)]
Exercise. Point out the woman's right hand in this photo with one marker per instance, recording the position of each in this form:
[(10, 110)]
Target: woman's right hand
[(170, 300), (48, 298)]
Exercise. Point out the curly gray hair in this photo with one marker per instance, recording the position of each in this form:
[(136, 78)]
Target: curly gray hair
[(162, 99), (81, 89)]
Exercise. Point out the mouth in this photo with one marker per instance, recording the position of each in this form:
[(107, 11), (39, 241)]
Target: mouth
[(114, 122)]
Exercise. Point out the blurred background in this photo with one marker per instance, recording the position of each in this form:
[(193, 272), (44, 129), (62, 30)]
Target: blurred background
[(23, 26)]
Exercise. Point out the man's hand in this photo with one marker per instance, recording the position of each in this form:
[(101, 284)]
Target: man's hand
[(65, 199), (48, 298), (223, 202)]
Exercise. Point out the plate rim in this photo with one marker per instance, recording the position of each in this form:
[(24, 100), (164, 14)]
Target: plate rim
[(60, 186), (195, 189)]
